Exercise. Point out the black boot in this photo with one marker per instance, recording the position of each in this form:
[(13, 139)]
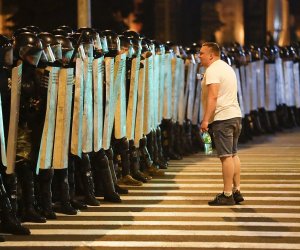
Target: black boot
[(135, 164), (274, 121), (75, 203), (65, 206), (100, 162), (11, 190), (121, 147), (188, 133), (297, 115), (257, 127), (9, 221), (168, 139), (249, 127), (291, 116), (265, 120), (155, 156), (161, 155), (196, 138), (110, 156), (88, 182), (26, 180), (283, 116), (145, 161), (45, 179)]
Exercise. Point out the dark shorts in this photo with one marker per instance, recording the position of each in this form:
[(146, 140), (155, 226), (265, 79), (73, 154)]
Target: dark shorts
[(226, 134)]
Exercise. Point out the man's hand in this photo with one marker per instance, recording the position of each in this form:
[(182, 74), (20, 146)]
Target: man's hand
[(204, 126)]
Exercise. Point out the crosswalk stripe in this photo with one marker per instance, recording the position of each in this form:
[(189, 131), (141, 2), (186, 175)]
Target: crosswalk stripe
[(218, 185), (163, 232), (202, 198), (152, 244), (172, 223), (203, 191), (291, 173), (191, 214)]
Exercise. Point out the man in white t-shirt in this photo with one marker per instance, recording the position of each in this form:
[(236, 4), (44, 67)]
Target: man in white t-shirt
[(222, 111)]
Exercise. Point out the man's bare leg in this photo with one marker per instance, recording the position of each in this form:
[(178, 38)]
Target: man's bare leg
[(237, 173), (228, 173)]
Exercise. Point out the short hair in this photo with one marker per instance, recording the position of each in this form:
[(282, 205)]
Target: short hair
[(214, 48)]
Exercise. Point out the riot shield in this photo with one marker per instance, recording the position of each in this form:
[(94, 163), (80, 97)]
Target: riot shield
[(155, 101), (14, 117), (46, 147), (289, 83), (2, 137), (148, 95), (98, 77), (132, 99), (139, 124), (239, 89), (191, 90), (120, 102), (260, 72), (167, 101), (181, 95), (161, 88), (279, 82), (76, 136), (109, 79), (87, 118), (175, 64), (252, 84), (270, 87), (244, 88), (195, 119), (297, 84), (63, 118)]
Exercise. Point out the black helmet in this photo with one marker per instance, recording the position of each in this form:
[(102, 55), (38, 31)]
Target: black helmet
[(28, 47), (59, 31), (113, 41), (136, 40), (6, 51), (34, 29), (255, 52), (67, 48), (92, 34), (269, 54), (126, 46), (49, 39), (19, 31), (86, 43), (66, 28)]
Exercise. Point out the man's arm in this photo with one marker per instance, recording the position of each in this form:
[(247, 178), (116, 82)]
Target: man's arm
[(211, 102)]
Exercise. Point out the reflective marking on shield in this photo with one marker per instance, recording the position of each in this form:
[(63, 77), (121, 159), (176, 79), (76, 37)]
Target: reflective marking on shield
[(109, 79), (270, 87), (138, 132), (289, 83), (239, 88), (98, 77), (148, 95), (46, 146), (120, 104), (161, 86), (191, 90), (76, 136), (260, 73), (87, 118), (63, 118), (14, 117), (132, 98), (252, 85), (167, 109), (280, 95), (297, 84)]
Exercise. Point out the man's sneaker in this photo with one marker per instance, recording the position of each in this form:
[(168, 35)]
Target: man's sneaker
[(222, 200), (238, 197)]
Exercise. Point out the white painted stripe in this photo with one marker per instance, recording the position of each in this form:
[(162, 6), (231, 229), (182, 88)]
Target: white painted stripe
[(220, 180), (151, 244), (291, 173), (203, 191), (218, 185), (201, 198), (245, 163), (170, 223), (164, 232), (192, 214), (198, 206)]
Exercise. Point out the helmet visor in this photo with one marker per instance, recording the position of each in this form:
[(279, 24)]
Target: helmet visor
[(30, 54)]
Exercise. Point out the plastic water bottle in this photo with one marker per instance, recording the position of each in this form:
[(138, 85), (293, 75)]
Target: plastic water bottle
[(207, 143)]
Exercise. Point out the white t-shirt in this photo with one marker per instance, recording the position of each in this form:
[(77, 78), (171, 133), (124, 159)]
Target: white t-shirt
[(227, 106)]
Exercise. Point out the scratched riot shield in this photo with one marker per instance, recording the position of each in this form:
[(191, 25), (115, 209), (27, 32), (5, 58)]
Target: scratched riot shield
[(87, 118), (167, 100), (76, 136), (14, 117), (289, 87), (279, 82), (98, 78), (270, 86), (46, 147), (63, 118), (139, 124), (132, 98)]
